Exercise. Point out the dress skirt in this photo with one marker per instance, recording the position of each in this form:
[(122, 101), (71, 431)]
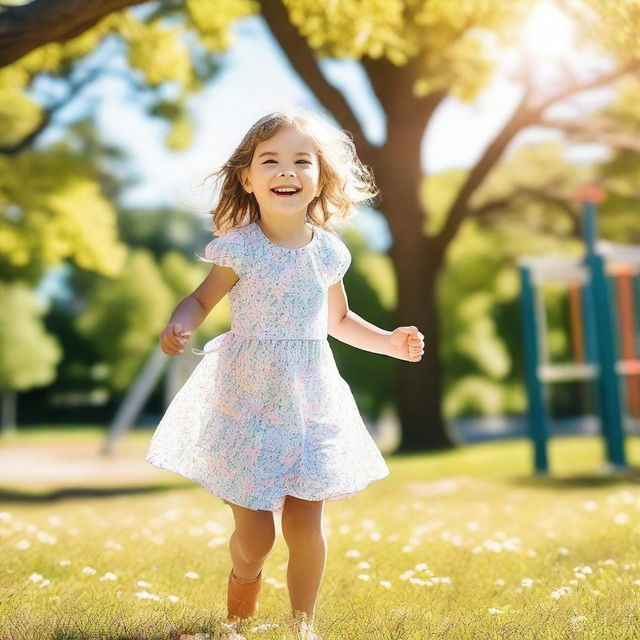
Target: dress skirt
[(259, 419)]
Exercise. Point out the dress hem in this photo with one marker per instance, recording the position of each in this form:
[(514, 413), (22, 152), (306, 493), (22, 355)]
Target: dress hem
[(335, 496)]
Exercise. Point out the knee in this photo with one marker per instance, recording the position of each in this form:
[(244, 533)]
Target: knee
[(297, 531), (255, 545)]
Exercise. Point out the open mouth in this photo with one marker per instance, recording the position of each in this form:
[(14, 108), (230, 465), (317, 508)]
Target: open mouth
[(287, 193)]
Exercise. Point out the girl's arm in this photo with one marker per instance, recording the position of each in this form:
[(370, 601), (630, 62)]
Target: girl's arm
[(194, 308), (405, 343)]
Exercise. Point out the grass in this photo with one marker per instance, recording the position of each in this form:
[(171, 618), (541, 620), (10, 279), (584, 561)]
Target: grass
[(459, 545)]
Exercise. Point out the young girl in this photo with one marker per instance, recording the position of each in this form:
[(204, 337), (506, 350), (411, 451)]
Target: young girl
[(265, 421)]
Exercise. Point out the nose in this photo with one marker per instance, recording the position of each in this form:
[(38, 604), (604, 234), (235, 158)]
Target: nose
[(291, 173)]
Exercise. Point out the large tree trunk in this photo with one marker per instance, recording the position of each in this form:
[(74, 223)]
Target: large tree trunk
[(418, 261), (420, 385)]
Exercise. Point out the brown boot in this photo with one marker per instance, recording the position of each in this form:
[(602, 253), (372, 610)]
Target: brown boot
[(242, 596)]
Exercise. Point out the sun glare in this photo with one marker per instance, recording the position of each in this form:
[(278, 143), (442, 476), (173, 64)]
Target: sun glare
[(548, 33)]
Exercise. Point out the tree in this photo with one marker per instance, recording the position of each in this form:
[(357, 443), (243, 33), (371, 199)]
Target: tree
[(28, 356), (58, 201), (124, 316), (416, 54)]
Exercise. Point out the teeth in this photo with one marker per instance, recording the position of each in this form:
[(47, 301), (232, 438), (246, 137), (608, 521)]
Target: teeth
[(286, 190)]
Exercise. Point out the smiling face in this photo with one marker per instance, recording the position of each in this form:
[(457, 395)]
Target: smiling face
[(287, 159)]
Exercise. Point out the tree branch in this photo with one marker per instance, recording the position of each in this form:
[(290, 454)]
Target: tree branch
[(27, 27), (49, 112), (579, 87), (620, 141), (459, 209), (524, 115), (483, 212), (302, 59)]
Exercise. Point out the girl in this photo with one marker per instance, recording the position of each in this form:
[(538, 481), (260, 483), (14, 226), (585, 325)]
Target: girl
[(265, 421)]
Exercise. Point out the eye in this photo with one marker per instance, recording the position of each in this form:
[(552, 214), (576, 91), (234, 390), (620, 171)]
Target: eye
[(304, 161), (270, 160)]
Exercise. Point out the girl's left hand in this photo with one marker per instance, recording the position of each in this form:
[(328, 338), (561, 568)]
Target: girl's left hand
[(406, 343)]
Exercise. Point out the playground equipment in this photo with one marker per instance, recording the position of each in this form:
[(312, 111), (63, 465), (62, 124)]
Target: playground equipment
[(604, 319)]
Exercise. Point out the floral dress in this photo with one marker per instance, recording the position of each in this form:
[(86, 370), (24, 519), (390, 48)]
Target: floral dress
[(266, 413)]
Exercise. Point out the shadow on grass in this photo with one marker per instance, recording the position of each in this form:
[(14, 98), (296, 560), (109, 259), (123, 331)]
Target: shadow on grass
[(72, 634), (214, 629), (577, 480), (16, 495)]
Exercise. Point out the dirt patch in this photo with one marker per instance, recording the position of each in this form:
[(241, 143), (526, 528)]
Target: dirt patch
[(60, 464)]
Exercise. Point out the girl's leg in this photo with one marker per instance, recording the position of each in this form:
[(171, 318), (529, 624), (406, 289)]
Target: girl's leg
[(251, 542), (302, 531), (249, 545)]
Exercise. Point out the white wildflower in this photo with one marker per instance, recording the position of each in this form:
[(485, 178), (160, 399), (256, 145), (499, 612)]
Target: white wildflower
[(562, 591), (109, 576), (45, 537), (577, 623), (621, 518), (112, 544), (266, 625)]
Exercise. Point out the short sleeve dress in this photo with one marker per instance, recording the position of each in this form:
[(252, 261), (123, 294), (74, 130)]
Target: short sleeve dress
[(266, 413)]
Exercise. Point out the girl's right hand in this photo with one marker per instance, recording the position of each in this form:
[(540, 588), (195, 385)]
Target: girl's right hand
[(173, 339)]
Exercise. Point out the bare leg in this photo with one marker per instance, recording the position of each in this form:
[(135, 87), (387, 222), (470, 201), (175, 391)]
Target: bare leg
[(302, 531), (251, 542), (249, 545), (241, 568)]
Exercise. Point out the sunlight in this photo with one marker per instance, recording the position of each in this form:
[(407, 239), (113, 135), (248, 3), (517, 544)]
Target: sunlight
[(548, 34)]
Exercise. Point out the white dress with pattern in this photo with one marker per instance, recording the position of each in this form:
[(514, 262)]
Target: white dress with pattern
[(266, 413)]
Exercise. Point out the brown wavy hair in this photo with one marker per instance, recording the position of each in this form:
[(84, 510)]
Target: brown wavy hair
[(345, 181)]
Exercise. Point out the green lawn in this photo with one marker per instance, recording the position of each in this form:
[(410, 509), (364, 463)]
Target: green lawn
[(459, 545)]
